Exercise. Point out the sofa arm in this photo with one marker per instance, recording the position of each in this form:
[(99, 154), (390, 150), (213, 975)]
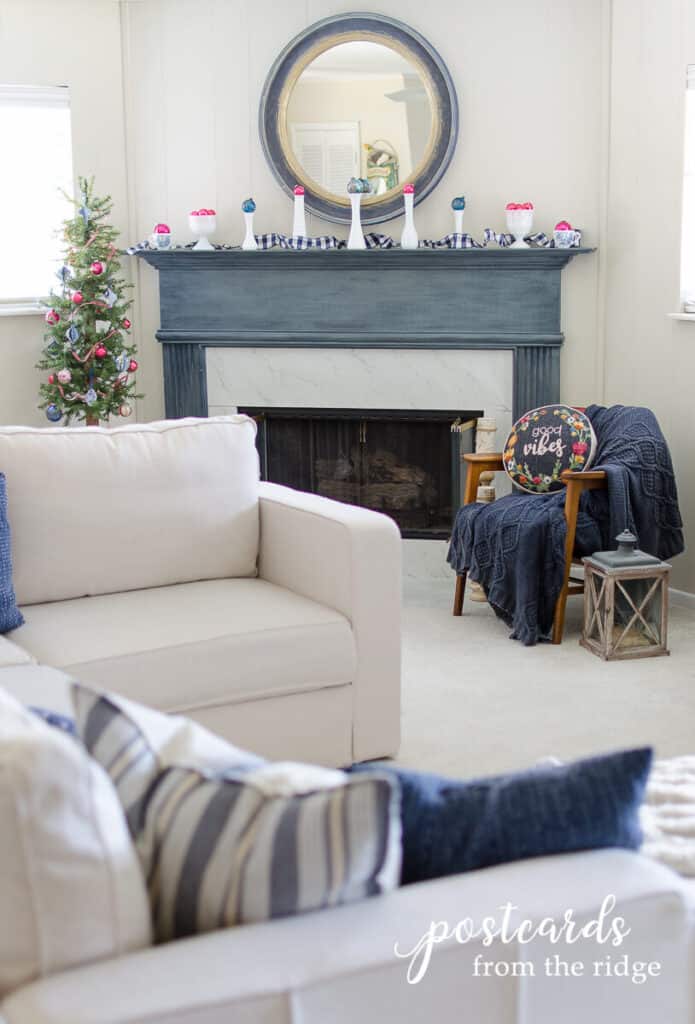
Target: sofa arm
[(340, 966), (349, 559)]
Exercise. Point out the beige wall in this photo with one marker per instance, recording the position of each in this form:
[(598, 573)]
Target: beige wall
[(75, 43), (650, 359)]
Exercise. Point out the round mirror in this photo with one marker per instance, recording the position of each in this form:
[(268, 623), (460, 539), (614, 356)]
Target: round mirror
[(358, 96)]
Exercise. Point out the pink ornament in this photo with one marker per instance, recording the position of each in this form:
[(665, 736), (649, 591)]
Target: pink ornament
[(132, 366), (64, 376), (124, 410), (52, 316), (100, 352), (408, 189), (299, 190), (126, 324), (513, 206), (51, 378), (526, 206), (97, 268), (77, 298), (162, 229), (563, 225)]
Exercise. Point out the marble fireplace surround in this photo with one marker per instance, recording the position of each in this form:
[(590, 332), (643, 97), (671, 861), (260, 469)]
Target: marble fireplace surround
[(428, 329)]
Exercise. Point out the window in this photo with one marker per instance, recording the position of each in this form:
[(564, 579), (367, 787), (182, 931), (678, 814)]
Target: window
[(36, 163), (688, 239), (329, 153)]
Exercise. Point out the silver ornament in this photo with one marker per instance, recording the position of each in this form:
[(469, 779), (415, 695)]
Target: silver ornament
[(124, 409), (91, 397)]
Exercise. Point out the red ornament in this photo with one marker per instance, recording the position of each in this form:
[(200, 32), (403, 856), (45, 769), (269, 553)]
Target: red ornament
[(132, 366), (51, 378), (77, 298), (97, 268), (126, 324), (52, 316), (100, 352)]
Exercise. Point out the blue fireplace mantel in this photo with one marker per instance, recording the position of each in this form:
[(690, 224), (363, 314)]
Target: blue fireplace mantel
[(390, 299)]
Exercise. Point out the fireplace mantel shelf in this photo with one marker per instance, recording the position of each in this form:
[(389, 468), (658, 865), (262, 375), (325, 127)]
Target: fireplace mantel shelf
[(355, 299), (287, 260)]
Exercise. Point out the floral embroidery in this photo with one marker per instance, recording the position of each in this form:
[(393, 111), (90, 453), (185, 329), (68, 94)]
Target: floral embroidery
[(535, 440)]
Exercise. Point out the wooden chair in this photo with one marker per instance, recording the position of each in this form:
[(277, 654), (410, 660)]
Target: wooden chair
[(575, 483)]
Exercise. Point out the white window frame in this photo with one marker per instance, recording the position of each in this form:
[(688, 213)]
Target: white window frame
[(687, 308), (45, 95)]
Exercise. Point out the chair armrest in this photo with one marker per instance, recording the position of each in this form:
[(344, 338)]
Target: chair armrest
[(479, 463), (487, 460), (347, 558), (588, 477)]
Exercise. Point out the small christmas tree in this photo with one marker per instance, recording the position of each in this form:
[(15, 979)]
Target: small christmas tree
[(88, 354)]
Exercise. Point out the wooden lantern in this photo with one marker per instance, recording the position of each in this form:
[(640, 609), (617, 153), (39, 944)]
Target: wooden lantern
[(625, 602)]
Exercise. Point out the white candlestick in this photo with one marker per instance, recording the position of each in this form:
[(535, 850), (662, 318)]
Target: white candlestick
[(458, 222), (249, 238), (409, 237), (356, 237), (299, 223)]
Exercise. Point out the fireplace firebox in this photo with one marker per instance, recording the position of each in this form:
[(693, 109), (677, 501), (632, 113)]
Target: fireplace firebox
[(405, 463)]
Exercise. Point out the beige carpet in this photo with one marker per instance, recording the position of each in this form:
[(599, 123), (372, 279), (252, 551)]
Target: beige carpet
[(475, 702)]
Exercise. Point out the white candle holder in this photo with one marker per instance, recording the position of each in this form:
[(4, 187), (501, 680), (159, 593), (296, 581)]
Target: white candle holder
[(519, 223), (458, 205), (249, 208), (299, 222), (409, 239), (203, 223), (357, 187)]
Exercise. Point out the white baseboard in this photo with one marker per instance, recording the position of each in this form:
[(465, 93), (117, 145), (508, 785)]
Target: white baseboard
[(681, 598)]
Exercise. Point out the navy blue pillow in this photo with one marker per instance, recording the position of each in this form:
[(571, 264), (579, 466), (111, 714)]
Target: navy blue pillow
[(10, 615), (451, 826)]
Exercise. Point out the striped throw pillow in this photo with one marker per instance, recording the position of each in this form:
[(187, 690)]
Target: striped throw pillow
[(226, 842)]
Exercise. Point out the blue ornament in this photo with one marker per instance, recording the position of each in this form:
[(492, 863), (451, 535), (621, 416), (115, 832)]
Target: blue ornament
[(366, 185), (354, 186), (91, 397), (63, 274), (85, 213), (122, 362), (248, 206), (53, 413), (458, 203), (72, 334)]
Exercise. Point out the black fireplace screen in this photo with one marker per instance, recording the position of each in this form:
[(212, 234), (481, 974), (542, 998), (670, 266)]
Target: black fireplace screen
[(404, 463)]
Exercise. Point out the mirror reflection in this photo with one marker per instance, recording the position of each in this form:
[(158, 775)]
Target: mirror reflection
[(359, 109)]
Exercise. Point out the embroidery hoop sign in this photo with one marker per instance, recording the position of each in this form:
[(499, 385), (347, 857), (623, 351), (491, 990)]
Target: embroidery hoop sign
[(545, 442)]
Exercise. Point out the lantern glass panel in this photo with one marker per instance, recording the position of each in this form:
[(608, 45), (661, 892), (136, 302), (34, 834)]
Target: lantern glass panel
[(637, 613)]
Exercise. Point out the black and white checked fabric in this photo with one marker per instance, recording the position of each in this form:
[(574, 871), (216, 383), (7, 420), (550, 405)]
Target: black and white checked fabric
[(373, 240), (248, 840)]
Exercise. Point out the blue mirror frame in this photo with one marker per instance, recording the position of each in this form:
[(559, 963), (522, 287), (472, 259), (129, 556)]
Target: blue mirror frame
[(282, 76)]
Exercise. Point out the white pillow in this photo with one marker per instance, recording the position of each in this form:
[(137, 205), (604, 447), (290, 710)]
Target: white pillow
[(171, 502), (71, 888)]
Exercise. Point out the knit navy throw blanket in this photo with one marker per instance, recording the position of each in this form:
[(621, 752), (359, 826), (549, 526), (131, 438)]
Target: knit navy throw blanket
[(515, 547)]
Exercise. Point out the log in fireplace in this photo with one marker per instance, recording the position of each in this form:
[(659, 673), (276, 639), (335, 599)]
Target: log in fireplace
[(405, 463)]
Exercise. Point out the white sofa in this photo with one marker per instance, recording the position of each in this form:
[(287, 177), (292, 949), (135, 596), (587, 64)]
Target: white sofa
[(149, 560)]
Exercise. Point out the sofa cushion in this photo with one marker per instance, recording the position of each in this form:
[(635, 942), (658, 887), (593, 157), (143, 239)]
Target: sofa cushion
[(10, 615), (12, 654), (193, 645), (71, 889), (241, 841), (123, 508)]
